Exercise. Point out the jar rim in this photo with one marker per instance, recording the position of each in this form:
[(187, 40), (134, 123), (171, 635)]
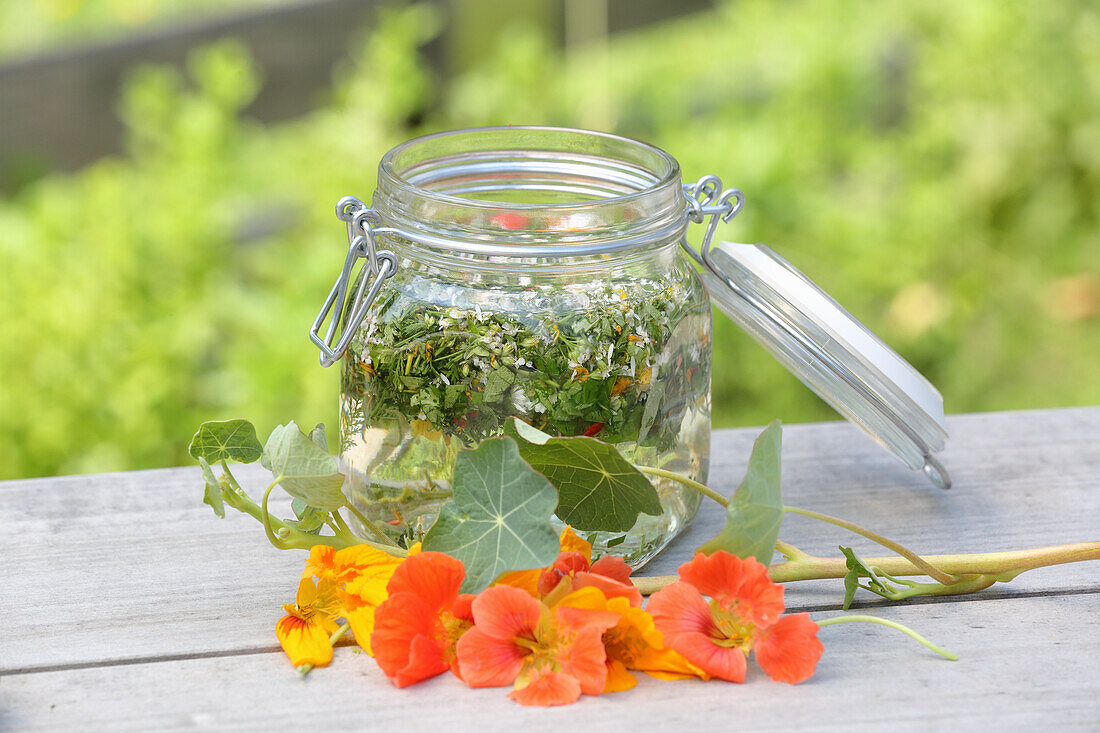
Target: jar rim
[(387, 168), (574, 191)]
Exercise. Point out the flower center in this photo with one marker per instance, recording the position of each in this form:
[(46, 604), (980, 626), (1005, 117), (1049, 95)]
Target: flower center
[(626, 645), (448, 629), (302, 614), (731, 629)]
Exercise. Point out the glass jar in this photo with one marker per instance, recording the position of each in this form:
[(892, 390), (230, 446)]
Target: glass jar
[(538, 273)]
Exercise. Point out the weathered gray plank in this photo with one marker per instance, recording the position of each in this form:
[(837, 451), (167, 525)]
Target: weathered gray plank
[(1021, 479), (1025, 664), (125, 566)]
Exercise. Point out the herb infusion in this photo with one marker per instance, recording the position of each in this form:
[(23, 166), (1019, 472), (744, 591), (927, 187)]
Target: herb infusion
[(431, 372)]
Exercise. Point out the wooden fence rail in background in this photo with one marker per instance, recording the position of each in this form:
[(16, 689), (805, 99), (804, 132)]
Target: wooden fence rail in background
[(58, 110)]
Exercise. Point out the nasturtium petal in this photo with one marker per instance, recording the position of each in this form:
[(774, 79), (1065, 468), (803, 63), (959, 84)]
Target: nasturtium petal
[(226, 440), (499, 519), (755, 511), (598, 489), (304, 469)]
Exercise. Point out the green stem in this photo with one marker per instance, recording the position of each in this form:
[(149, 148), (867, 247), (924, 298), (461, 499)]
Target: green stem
[(701, 488), (971, 584), (287, 537), (997, 566), (893, 625), (928, 568), (789, 551), (265, 518), (986, 563), (341, 527), (391, 546), (304, 669)]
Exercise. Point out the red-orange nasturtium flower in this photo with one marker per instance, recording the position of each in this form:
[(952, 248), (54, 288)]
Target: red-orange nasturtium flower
[(574, 570), (528, 580), (549, 655), (743, 615), (633, 643), (571, 571), (417, 627), (347, 583)]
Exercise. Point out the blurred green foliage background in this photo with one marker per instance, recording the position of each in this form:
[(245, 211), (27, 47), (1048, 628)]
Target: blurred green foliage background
[(935, 166)]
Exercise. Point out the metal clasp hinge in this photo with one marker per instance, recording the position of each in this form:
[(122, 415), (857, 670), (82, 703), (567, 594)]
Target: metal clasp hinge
[(360, 220), (705, 200)]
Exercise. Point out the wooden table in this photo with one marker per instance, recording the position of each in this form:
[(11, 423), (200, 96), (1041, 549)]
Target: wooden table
[(128, 605)]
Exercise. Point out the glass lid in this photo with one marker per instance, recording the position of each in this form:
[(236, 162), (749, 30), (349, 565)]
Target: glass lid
[(831, 352)]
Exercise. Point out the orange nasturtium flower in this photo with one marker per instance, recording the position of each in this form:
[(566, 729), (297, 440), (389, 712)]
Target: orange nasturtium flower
[(417, 627), (347, 583), (742, 616), (549, 655), (633, 643)]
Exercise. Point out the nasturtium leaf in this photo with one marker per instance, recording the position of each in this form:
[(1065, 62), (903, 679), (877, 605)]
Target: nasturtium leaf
[(310, 518), (303, 468), (755, 511), (212, 494), (598, 489), (499, 519), (857, 569), (318, 436), (226, 440), (497, 383), (851, 579)]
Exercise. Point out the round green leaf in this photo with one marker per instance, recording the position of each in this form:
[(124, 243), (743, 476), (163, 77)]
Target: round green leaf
[(226, 440), (499, 519)]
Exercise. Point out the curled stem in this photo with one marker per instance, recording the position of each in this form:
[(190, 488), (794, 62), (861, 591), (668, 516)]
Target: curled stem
[(265, 519), (893, 625), (926, 567), (285, 537)]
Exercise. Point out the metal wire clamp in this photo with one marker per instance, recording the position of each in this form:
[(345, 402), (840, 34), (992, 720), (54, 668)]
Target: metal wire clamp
[(382, 264)]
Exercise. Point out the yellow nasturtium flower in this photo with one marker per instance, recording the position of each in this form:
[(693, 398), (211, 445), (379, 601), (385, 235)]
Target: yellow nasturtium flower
[(348, 583), (305, 631)]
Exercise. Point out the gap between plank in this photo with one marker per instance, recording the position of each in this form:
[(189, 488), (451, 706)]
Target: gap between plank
[(127, 661), (274, 648)]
